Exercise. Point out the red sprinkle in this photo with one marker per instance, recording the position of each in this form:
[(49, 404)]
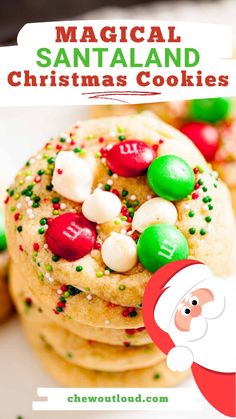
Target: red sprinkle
[(116, 192), (196, 170), (36, 247), (97, 246), (21, 248), (72, 142), (125, 313), (37, 179), (55, 311), (155, 147), (103, 151), (16, 216), (195, 195), (61, 304), (111, 305), (130, 331), (101, 139), (197, 186), (59, 146), (7, 200), (161, 141), (126, 343), (64, 288), (56, 206), (59, 171)]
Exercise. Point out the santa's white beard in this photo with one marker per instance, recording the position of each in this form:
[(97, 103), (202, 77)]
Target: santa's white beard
[(212, 339)]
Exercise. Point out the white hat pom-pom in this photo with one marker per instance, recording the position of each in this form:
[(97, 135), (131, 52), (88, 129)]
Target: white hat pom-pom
[(180, 358)]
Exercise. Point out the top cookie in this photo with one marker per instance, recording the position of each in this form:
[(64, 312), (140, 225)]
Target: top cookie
[(77, 209)]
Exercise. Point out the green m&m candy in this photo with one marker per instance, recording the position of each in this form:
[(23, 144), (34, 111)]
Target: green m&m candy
[(171, 177), (209, 110), (160, 244), (3, 241)]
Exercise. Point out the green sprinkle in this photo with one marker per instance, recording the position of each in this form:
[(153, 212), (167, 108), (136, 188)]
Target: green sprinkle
[(109, 172), (79, 268), (107, 187), (66, 294), (36, 198), (19, 229), (41, 172), (43, 221), (69, 355), (122, 287), (59, 309), (48, 268), (120, 129), (124, 192), (208, 219), (191, 213), (202, 231), (35, 205), (41, 230), (215, 185), (51, 160), (207, 199), (77, 150), (99, 274), (117, 222), (135, 203), (98, 155), (62, 140), (55, 200), (200, 169), (133, 314), (121, 137), (49, 187), (156, 376), (210, 207), (192, 230), (200, 181), (124, 218), (205, 189), (55, 258), (62, 299), (41, 276)]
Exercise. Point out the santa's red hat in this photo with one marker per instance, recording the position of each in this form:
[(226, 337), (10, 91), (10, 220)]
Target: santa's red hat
[(164, 292)]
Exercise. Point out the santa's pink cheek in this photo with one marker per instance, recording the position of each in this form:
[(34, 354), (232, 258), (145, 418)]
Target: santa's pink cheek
[(182, 323)]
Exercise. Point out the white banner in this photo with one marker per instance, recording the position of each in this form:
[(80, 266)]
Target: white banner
[(109, 62), (158, 399)]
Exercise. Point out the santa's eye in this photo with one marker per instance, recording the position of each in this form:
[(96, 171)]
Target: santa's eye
[(194, 301), (185, 311)]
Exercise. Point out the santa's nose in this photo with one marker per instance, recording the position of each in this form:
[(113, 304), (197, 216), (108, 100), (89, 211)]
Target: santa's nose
[(196, 311)]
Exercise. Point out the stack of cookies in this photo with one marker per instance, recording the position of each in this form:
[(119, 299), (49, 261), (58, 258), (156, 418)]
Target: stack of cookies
[(89, 219)]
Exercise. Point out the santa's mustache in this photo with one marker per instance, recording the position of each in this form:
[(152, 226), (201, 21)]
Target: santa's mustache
[(198, 328), (214, 308)]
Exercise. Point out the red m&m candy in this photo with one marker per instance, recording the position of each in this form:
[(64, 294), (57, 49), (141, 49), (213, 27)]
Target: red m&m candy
[(71, 236), (130, 158), (204, 136)]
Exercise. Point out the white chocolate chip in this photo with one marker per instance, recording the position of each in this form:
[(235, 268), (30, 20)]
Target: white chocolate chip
[(154, 211), (76, 178), (119, 252), (101, 206)]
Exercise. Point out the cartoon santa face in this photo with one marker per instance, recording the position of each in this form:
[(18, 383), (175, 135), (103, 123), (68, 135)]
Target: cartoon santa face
[(197, 315), (190, 316), (191, 307)]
